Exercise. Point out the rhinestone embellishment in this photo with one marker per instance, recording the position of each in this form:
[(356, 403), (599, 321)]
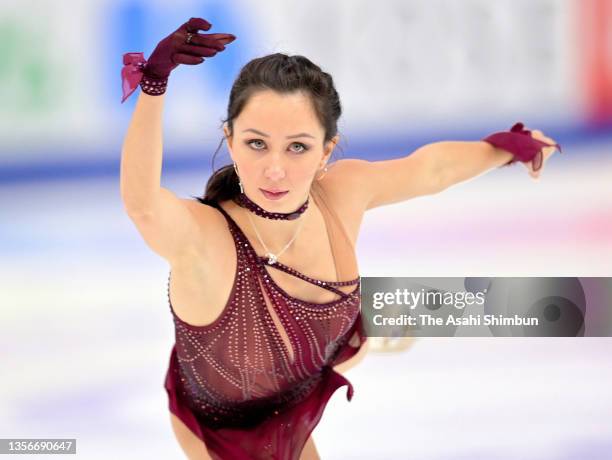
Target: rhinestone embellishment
[(237, 369)]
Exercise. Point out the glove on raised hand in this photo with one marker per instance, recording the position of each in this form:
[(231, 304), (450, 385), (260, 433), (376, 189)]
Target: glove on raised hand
[(183, 46), (519, 142)]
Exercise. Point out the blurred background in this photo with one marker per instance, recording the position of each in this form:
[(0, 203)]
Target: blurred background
[(85, 328)]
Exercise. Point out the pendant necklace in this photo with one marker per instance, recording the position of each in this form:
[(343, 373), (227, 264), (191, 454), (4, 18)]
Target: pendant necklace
[(273, 258)]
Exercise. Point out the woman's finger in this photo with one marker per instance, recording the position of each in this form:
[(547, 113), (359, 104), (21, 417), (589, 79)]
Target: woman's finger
[(195, 50), (538, 161), (541, 137), (534, 166), (187, 59), (223, 38), (197, 23), (204, 40)]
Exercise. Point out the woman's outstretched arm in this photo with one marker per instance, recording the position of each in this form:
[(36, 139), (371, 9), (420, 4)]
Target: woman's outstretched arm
[(435, 167), (459, 161), (371, 184), (424, 172)]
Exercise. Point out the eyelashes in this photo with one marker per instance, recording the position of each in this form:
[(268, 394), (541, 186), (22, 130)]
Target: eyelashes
[(304, 147)]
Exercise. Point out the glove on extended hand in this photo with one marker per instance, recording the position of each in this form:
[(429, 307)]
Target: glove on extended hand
[(520, 143)]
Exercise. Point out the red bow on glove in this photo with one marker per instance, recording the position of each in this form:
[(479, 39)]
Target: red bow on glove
[(131, 74)]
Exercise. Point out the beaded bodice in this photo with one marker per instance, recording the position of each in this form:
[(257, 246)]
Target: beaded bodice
[(238, 369)]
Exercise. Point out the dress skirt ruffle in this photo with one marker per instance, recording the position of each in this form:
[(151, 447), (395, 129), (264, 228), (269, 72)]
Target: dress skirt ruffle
[(281, 436)]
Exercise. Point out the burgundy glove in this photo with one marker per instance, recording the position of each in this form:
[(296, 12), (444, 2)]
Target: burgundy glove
[(183, 46), (520, 143)]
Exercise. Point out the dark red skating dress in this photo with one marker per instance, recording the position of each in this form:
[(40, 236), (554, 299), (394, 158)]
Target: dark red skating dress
[(234, 383)]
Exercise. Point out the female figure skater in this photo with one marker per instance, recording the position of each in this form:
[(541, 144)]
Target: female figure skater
[(264, 284)]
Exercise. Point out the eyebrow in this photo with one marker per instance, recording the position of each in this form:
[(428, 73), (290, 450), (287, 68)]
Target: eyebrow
[(265, 135)]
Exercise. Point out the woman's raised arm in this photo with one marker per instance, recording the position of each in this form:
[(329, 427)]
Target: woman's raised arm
[(141, 156), (164, 220)]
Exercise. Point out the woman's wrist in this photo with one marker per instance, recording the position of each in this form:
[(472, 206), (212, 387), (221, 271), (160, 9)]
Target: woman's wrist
[(135, 73), (153, 86)]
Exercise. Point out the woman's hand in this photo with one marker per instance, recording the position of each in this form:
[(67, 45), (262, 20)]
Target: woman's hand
[(175, 49), (531, 148), (541, 157), (183, 46)]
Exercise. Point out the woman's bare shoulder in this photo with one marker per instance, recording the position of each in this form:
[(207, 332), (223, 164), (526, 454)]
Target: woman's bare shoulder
[(342, 187), (345, 196)]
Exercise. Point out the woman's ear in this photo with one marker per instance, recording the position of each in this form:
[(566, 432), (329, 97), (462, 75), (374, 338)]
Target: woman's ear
[(329, 148), (228, 136)]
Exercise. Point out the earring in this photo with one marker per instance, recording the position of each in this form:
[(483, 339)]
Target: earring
[(324, 171), (239, 182)]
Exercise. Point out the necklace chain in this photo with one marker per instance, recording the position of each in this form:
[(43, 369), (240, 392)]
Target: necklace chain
[(273, 258)]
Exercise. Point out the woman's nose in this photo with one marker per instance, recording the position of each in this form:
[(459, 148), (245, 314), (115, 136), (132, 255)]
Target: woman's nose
[(275, 170)]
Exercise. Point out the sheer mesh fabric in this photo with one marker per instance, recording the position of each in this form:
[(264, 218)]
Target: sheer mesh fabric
[(237, 383)]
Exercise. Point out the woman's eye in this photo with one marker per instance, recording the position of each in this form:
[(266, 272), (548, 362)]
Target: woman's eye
[(252, 143), (303, 147), (254, 140)]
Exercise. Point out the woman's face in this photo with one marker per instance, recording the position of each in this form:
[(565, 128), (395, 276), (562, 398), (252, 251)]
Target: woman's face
[(277, 145)]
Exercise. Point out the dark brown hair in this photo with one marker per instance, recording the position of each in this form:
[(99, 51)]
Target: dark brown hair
[(284, 74)]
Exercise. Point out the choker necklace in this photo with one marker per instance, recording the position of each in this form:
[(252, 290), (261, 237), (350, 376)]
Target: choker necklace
[(246, 202)]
